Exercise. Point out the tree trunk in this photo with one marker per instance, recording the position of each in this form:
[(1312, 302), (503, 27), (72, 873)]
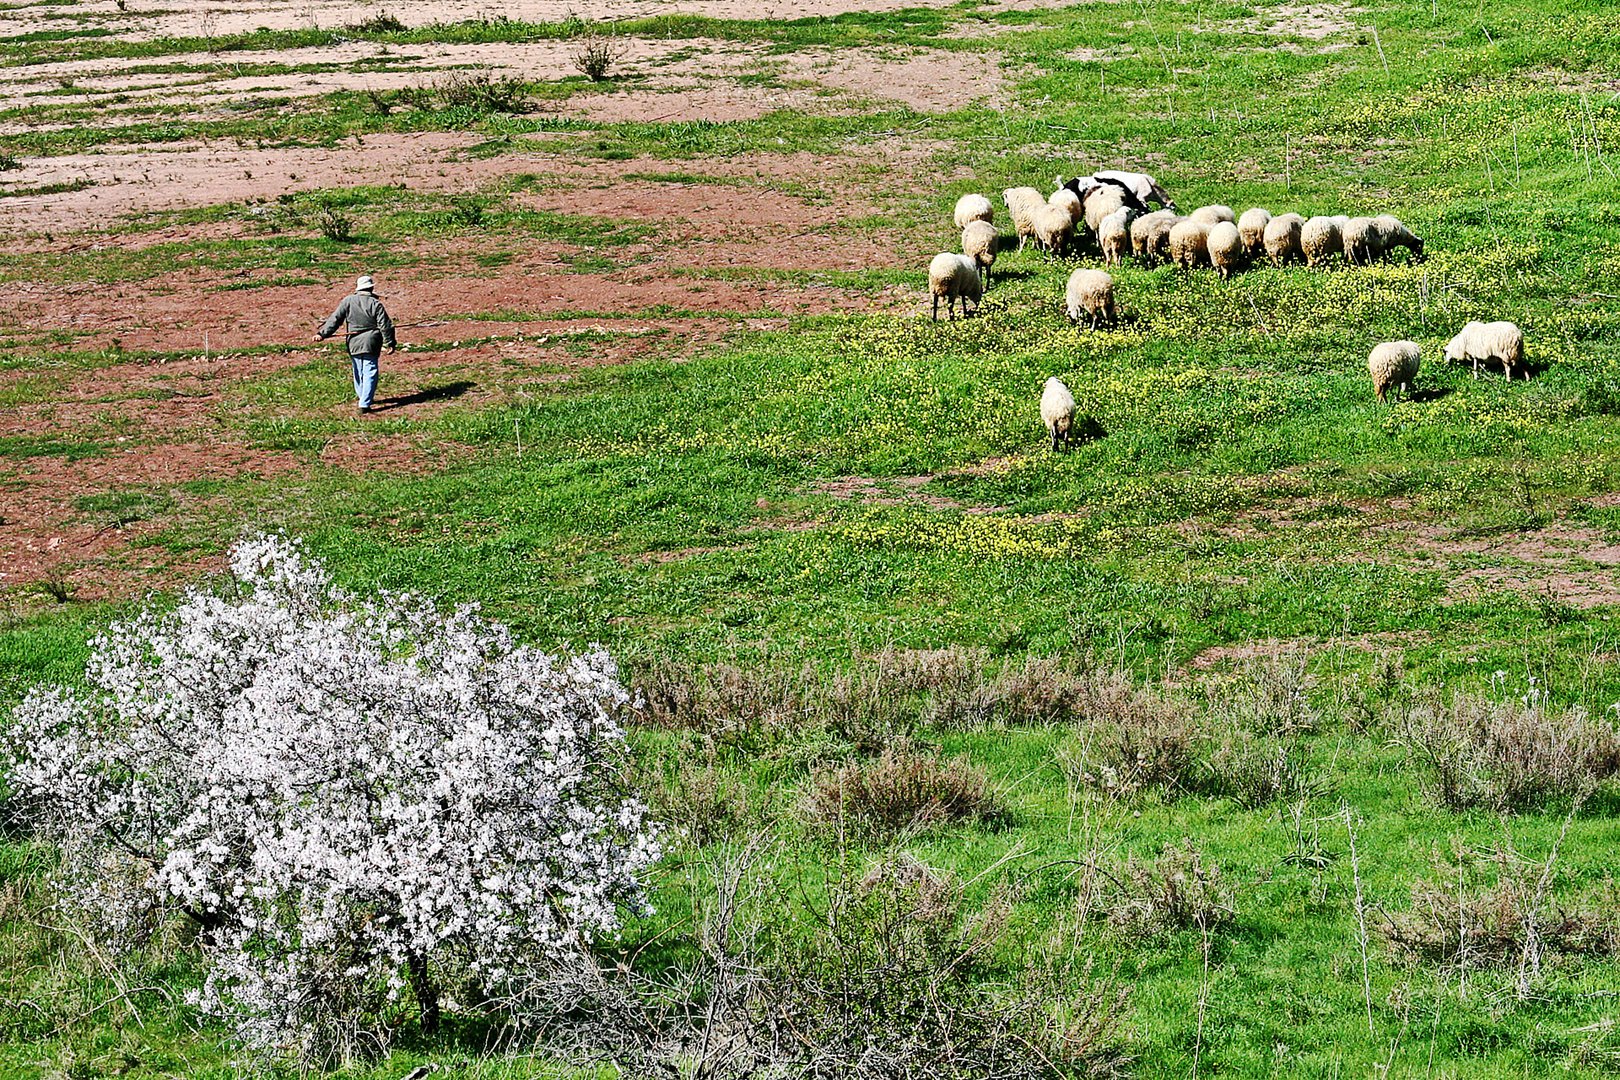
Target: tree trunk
[(427, 994)]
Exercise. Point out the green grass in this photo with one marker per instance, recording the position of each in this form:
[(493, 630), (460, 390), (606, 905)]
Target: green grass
[(1240, 486)]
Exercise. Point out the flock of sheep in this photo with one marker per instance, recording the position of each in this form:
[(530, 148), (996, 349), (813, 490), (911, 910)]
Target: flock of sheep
[(1109, 211)]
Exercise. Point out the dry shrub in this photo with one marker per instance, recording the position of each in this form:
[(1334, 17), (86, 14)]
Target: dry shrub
[(1258, 771), (900, 791), (889, 975), (1271, 694), (874, 700), (596, 55), (481, 91), (900, 979), (745, 709), (1180, 890), (1508, 756), (1494, 909), (1142, 740)]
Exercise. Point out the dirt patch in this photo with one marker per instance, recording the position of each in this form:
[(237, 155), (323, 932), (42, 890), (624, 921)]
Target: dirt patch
[(928, 80), (1312, 22), (1276, 648), (218, 18)]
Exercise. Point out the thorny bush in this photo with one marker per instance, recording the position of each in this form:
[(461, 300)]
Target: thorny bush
[(349, 798), (1495, 908), (900, 791), (1521, 754), (883, 975)]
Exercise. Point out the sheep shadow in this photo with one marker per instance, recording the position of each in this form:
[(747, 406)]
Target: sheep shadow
[(1422, 396), (447, 392)]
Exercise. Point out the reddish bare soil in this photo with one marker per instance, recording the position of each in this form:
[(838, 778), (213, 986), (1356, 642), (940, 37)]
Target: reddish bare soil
[(145, 19), (728, 249)]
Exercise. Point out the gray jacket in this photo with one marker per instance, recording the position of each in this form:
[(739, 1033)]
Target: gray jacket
[(370, 328)]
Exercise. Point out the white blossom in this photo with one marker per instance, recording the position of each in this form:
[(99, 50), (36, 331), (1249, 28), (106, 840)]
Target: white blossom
[(333, 788)]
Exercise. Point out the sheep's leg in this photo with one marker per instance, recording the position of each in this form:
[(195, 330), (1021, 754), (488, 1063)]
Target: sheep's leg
[(1054, 439), (936, 307)]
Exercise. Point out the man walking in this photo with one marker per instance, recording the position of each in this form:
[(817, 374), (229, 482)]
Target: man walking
[(369, 329)]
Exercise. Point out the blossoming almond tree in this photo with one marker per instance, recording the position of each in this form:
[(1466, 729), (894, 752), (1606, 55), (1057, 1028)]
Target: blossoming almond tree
[(348, 798)]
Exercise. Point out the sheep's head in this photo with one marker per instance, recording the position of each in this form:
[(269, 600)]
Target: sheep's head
[(1417, 249)]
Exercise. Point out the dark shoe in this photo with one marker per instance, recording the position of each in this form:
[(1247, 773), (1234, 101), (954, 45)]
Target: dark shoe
[(364, 409)]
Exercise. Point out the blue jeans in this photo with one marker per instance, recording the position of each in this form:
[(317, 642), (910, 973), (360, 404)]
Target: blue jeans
[(365, 378)]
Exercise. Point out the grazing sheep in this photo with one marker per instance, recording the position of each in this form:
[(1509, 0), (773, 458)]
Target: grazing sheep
[(1212, 215), (1360, 241), (1054, 228), (1057, 412), (1091, 293), (973, 208), (1069, 201), (1252, 227), (1101, 201), (1114, 235), (1392, 364), (1479, 341), (1392, 234), (1226, 251), (1139, 189), (1282, 239), (979, 244), (954, 276), (1321, 238), (1189, 243), (1150, 236), (1023, 203)]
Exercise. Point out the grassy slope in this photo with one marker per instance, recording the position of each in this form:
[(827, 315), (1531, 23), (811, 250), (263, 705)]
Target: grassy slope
[(1230, 500)]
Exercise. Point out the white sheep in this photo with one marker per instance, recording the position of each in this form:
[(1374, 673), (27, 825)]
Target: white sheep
[(1226, 250), (1370, 240), (1114, 235), (1392, 364), (979, 241), (1212, 215), (1189, 243), (1150, 236), (1358, 239), (1069, 201), (1054, 228), (1282, 239), (1501, 341), (1091, 293), (954, 277), (1023, 203), (1101, 201), (1057, 412), (1321, 238), (1391, 234), (973, 208), (1252, 227)]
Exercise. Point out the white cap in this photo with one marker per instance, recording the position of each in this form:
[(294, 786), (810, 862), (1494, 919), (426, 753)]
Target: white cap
[(364, 284)]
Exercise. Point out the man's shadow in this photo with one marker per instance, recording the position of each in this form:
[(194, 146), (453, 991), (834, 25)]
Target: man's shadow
[(447, 392)]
